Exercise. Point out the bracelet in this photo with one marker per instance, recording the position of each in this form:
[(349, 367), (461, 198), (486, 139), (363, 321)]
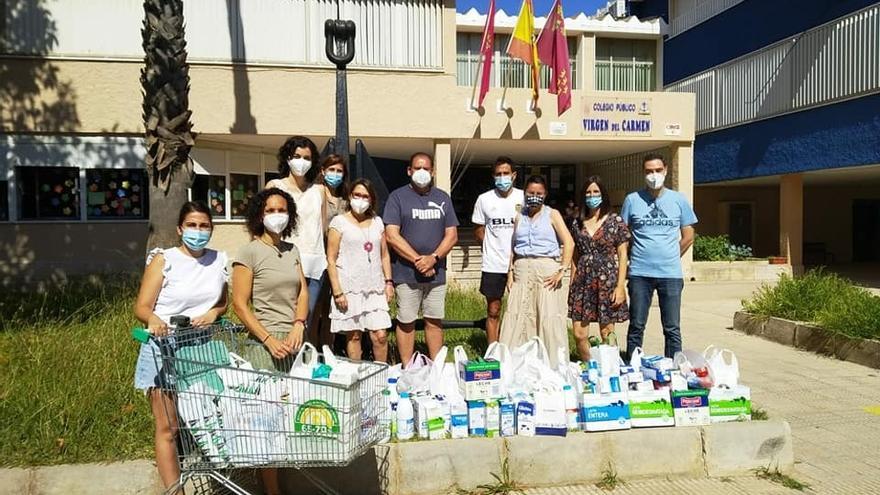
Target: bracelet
[(299, 320), (388, 281), (334, 297), (266, 338)]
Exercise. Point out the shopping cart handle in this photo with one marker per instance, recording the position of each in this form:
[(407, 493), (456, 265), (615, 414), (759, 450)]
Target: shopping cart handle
[(140, 334)]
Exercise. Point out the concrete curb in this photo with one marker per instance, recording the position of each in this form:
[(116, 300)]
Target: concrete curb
[(443, 466), (810, 338)]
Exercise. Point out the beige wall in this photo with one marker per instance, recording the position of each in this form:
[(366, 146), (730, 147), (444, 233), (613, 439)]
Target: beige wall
[(105, 97), (53, 251), (828, 217), (710, 206)]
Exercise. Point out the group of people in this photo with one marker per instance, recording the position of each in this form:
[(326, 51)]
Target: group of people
[(321, 256)]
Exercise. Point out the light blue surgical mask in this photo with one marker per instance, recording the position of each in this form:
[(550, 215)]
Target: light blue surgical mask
[(593, 201), (504, 183), (333, 179), (196, 239)]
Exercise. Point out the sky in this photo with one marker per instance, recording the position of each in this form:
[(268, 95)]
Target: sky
[(571, 8)]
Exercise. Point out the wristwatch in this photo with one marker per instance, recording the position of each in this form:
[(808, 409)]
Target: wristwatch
[(436, 257)]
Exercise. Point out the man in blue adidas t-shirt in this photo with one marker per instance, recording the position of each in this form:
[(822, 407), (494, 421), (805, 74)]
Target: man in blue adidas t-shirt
[(661, 221)]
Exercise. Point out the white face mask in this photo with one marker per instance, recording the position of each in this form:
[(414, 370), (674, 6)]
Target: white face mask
[(421, 177), (359, 205), (655, 180), (276, 222), (299, 166)]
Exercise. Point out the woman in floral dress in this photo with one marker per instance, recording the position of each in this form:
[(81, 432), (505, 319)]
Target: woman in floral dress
[(598, 277)]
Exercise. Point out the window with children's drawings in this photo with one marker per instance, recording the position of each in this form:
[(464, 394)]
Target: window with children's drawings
[(116, 194), (48, 193)]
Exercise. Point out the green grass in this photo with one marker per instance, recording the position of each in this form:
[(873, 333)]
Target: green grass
[(67, 362), (503, 485), (609, 480), (825, 299), (759, 414), (775, 476)]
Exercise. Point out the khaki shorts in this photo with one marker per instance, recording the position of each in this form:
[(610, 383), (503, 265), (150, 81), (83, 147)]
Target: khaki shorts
[(430, 298)]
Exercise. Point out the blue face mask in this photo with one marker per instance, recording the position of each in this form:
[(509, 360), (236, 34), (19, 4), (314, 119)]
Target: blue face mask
[(196, 239), (504, 183), (593, 201), (333, 179)]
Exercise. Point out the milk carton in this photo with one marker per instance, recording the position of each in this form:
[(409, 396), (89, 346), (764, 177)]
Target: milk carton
[(691, 407), (429, 419), (477, 418), (651, 408), (493, 419), (604, 412), (482, 379), (657, 368), (458, 412), (507, 412), (730, 404), (525, 417)]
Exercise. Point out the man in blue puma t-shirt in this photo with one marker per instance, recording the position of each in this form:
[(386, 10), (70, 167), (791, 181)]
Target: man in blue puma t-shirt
[(661, 221)]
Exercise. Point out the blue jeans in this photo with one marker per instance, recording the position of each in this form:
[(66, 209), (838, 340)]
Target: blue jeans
[(641, 291), (314, 285)]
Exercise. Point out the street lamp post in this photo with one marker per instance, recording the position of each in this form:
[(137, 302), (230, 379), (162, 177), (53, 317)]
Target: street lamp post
[(339, 46)]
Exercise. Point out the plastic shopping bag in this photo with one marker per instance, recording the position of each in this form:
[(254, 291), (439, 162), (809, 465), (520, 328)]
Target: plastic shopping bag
[(534, 350), (255, 430), (609, 360), (341, 372), (636, 360), (416, 375), (725, 372), (501, 353), (306, 361), (569, 372), (694, 367), (444, 380)]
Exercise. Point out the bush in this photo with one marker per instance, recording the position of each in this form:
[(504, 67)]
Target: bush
[(826, 299), (718, 248)]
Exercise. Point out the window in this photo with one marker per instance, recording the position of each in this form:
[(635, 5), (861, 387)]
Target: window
[(270, 176), (242, 187), (211, 190), (4, 201), (115, 194), (506, 72), (625, 64), (48, 193)]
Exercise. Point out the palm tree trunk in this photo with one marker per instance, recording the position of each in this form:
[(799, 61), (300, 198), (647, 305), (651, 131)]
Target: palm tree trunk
[(168, 130)]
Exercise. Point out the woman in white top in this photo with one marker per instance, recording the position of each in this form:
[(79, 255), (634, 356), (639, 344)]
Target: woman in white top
[(360, 273), (295, 165), (187, 280)]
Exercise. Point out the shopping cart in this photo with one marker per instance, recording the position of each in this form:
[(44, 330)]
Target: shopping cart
[(230, 416)]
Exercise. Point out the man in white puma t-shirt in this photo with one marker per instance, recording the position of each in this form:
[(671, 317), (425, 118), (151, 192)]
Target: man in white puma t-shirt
[(494, 215)]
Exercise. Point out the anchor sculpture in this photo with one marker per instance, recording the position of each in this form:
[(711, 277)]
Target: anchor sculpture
[(339, 47)]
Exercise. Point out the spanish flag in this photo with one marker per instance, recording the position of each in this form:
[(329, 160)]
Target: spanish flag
[(522, 43)]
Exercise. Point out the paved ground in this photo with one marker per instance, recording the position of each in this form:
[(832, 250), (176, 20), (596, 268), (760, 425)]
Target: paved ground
[(833, 406)]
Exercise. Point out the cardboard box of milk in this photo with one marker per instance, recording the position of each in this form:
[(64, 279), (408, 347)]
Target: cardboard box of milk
[(429, 420), (730, 404), (458, 418), (482, 379), (525, 418), (604, 412), (508, 418), (477, 418), (691, 407), (650, 408)]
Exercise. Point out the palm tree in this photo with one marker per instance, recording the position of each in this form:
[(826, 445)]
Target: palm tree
[(169, 136)]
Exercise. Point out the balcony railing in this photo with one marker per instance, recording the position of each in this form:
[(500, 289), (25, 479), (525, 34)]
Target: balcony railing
[(630, 75)]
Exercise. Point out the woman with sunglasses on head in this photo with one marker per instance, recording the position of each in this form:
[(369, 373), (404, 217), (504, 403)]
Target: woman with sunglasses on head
[(598, 277), (536, 305), (296, 165), (188, 280)]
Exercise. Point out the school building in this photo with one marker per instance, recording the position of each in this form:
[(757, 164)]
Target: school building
[(73, 191), (787, 148)]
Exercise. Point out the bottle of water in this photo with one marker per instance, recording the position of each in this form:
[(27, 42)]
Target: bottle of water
[(405, 418)]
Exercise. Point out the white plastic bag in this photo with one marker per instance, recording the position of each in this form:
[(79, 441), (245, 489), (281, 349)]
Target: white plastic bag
[(609, 360), (444, 376), (534, 349), (305, 362), (568, 371), (341, 372), (694, 367), (501, 353), (636, 360), (415, 377), (725, 372)]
